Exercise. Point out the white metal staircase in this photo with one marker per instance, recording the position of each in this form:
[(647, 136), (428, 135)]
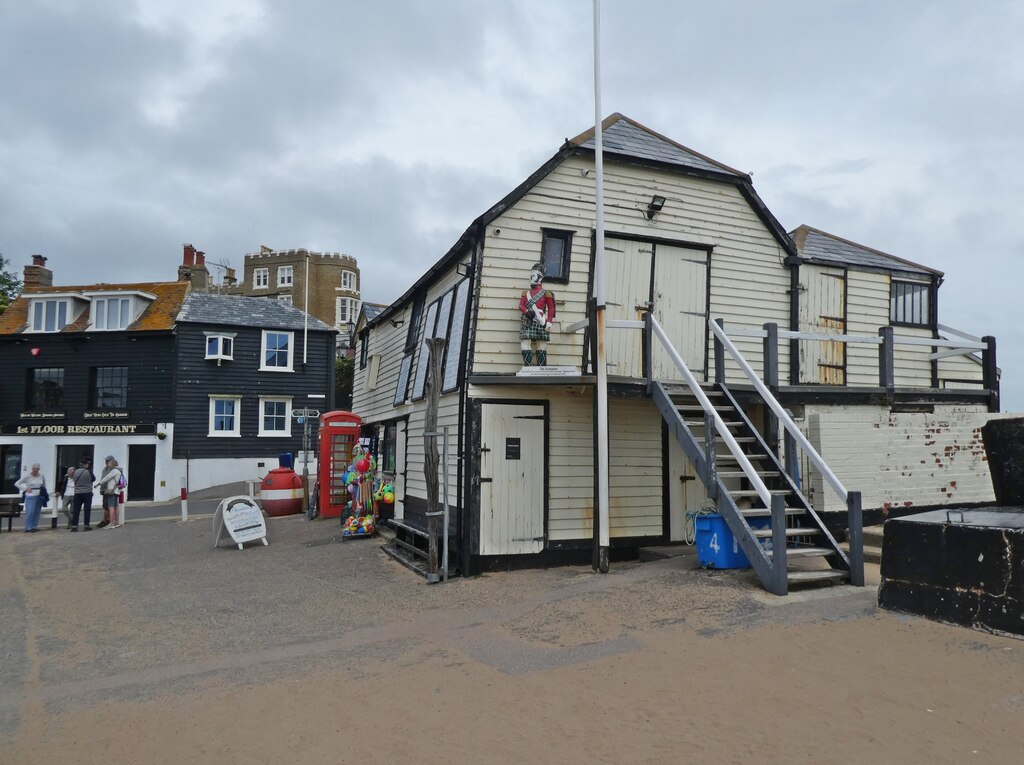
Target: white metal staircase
[(734, 463)]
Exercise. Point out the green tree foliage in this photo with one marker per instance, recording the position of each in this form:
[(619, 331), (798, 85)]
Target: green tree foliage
[(10, 286), (344, 369)]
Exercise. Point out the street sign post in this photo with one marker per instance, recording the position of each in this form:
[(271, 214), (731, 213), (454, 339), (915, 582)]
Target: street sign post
[(303, 417)]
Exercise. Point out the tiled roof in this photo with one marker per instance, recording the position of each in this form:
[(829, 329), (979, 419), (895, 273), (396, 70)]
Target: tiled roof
[(204, 308), (372, 310), (626, 137), (821, 247), (160, 314)]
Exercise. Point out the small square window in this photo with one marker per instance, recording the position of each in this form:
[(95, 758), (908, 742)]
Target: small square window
[(260, 278), (909, 303), (284, 276), (220, 346), (275, 416), (556, 248), (225, 416), (276, 353)]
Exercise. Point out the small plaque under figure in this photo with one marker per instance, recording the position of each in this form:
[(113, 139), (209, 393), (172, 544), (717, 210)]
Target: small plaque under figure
[(552, 371)]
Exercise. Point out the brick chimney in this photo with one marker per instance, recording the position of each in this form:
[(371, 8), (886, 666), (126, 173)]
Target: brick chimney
[(193, 269), (230, 280), (37, 275)]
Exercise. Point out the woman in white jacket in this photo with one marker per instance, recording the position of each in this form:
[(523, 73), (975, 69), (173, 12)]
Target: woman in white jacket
[(31, 484)]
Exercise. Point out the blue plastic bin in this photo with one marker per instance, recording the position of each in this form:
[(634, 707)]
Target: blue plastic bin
[(717, 547), (286, 460)]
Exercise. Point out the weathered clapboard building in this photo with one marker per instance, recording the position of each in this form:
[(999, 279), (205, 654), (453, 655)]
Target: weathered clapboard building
[(175, 383), (843, 339)]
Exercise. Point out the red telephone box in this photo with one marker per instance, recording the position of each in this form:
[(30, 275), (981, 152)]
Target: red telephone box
[(339, 433)]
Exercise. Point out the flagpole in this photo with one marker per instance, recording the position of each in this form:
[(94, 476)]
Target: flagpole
[(603, 460)]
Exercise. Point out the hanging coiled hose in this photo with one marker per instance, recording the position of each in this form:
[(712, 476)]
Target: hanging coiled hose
[(707, 507)]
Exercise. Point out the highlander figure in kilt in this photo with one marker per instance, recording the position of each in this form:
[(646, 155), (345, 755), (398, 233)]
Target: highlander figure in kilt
[(538, 309)]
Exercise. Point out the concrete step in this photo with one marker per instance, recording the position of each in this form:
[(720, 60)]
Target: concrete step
[(873, 535), (872, 554)]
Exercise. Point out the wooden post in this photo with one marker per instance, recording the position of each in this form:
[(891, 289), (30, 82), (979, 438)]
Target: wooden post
[(719, 355), (431, 457), (710, 457), (855, 537), (886, 362), (771, 379), (780, 563), (990, 373)]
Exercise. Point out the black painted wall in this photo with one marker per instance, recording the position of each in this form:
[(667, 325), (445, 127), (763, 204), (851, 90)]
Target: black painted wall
[(197, 378), (149, 357)]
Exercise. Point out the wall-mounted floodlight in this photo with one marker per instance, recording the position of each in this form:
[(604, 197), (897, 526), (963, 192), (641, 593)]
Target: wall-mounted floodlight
[(654, 206)]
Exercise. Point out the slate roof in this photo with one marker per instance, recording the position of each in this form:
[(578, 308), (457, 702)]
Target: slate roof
[(158, 316), (821, 247), (372, 310), (267, 313), (628, 138)]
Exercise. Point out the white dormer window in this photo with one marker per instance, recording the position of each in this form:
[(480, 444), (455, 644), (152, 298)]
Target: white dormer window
[(49, 315), (285, 299), (260, 278), (348, 280), (284, 276), (111, 313), (220, 346)]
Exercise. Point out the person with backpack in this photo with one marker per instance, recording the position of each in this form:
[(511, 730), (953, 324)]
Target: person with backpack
[(83, 478), (110, 484)]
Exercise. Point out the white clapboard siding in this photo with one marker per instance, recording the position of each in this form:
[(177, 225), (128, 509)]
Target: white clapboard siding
[(749, 282), (635, 507), (415, 480), (953, 370), (387, 341), (912, 367), (867, 296)]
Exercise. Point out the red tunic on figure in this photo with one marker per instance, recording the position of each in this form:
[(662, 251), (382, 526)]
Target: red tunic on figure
[(546, 304)]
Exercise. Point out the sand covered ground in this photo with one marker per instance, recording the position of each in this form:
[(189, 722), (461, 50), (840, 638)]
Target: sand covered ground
[(146, 645)]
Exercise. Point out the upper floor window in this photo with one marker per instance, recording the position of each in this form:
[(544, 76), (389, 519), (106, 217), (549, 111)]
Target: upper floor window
[(286, 299), (276, 353), (111, 313), (49, 315), (909, 303), (275, 416), (46, 389), (225, 419), (109, 388), (220, 346), (348, 280), (284, 276), (260, 278), (555, 250), (346, 311)]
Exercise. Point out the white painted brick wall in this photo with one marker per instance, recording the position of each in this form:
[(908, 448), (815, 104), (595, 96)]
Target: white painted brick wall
[(901, 459)]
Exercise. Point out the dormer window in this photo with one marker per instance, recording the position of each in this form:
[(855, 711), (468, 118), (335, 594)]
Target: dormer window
[(111, 313), (49, 315), (220, 346)]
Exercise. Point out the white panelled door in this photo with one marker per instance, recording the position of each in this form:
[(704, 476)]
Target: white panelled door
[(680, 306), (512, 490), (628, 276)]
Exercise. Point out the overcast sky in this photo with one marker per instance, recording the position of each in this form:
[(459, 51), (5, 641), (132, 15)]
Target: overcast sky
[(382, 129)]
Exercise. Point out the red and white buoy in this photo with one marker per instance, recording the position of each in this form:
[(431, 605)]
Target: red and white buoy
[(281, 492)]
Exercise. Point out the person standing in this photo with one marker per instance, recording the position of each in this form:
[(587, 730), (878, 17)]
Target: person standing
[(110, 490), (32, 485), (67, 493), (83, 478)]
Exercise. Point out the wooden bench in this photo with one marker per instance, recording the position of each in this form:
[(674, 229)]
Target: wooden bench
[(10, 508)]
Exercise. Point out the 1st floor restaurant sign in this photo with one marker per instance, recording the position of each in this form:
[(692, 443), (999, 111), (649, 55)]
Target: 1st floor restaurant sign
[(87, 429)]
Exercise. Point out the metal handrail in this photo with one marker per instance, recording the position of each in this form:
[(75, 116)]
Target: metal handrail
[(709, 409), (780, 413)]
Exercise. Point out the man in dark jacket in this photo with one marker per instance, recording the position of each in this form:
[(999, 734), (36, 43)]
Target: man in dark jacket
[(83, 479)]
